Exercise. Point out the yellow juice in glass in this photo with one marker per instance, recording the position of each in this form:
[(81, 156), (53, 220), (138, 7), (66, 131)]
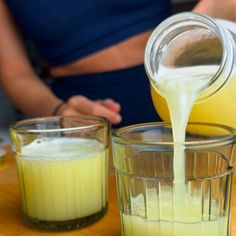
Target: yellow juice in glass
[(63, 179), (157, 219), (137, 226)]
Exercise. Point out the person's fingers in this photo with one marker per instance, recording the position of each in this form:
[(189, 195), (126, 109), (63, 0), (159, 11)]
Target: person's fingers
[(69, 112), (111, 104), (85, 106)]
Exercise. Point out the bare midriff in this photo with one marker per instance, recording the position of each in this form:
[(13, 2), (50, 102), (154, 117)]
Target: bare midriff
[(127, 53)]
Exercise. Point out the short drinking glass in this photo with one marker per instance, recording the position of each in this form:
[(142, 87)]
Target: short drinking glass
[(152, 202), (62, 169)]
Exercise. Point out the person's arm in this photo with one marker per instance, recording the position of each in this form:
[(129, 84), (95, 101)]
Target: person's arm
[(217, 8), (27, 91)]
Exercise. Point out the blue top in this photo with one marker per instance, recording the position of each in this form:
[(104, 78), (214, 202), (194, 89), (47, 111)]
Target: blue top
[(64, 31)]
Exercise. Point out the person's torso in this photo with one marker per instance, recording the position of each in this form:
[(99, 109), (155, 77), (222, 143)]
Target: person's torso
[(65, 31)]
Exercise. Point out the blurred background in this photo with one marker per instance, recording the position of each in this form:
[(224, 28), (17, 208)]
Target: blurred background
[(8, 114)]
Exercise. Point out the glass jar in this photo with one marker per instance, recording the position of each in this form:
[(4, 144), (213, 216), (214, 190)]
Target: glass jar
[(195, 45)]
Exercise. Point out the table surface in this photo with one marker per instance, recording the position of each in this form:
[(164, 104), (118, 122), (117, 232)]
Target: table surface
[(10, 209)]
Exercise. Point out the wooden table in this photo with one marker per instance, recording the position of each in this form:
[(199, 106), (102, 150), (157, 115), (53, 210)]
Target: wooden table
[(10, 210)]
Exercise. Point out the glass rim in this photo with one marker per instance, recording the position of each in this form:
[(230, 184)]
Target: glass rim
[(18, 125), (219, 141)]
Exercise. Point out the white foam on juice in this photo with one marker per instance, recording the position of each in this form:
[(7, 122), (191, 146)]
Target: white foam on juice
[(61, 148)]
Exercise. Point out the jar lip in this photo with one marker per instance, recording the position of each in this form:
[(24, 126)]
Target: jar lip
[(21, 126), (163, 30), (199, 144)]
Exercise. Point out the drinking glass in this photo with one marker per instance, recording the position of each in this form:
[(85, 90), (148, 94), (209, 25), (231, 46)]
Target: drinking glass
[(152, 202), (62, 168)]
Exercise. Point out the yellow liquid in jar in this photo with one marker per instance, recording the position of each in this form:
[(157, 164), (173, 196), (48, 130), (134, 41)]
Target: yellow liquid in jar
[(219, 108), (67, 181)]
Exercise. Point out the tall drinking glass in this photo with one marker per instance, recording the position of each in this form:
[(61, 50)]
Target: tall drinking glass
[(147, 190), (62, 169)]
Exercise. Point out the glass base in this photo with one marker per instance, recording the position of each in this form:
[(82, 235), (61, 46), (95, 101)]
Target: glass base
[(64, 225)]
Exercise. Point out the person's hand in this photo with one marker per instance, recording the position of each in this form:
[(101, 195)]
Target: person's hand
[(81, 105), (217, 9)]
